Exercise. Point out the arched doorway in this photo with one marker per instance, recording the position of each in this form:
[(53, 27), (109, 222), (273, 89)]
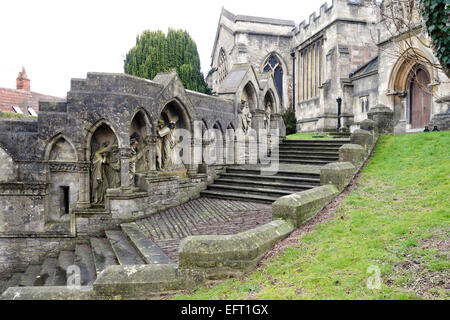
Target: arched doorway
[(419, 98)]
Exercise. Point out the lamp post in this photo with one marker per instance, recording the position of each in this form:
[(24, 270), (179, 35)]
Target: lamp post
[(339, 101)]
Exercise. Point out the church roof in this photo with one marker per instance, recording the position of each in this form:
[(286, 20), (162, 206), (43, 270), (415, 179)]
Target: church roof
[(21, 99), (235, 77), (368, 68)]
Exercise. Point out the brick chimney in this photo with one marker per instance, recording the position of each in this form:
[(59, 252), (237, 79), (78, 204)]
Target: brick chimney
[(22, 82)]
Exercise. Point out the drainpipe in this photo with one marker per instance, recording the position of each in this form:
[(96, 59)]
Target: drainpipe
[(339, 101), (293, 80)]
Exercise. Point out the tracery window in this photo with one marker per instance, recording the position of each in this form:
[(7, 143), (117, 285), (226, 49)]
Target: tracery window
[(274, 66), (222, 65), (310, 70)]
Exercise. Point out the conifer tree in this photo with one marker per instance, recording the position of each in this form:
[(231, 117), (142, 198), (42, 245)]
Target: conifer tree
[(156, 52)]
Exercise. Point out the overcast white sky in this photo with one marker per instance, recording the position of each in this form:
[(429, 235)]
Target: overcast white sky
[(56, 40)]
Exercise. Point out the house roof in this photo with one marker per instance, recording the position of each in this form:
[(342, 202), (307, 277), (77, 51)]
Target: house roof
[(21, 99)]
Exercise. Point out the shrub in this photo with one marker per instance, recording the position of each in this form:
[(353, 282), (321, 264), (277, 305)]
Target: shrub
[(290, 121)]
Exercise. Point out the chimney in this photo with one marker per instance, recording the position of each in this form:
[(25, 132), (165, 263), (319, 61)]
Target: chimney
[(22, 82)]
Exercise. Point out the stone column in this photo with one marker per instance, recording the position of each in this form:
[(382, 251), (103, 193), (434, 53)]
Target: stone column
[(195, 158), (151, 142), (125, 155), (84, 185)]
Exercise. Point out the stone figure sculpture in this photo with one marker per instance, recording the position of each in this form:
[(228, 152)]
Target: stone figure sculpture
[(134, 152), (268, 115), (105, 172), (245, 116), (167, 157)]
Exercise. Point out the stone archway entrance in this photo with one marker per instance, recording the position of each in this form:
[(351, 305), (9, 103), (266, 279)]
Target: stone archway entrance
[(420, 99)]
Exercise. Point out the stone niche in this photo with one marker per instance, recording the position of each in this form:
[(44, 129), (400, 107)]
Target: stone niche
[(139, 131), (173, 145), (63, 179), (105, 164)]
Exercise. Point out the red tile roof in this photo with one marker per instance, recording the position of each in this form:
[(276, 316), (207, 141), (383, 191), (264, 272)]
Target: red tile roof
[(21, 99)]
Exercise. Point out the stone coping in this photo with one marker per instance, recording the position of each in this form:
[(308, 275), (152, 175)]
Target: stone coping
[(221, 256)]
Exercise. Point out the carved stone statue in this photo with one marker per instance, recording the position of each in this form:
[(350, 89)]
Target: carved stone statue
[(167, 157), (245, 116), (267, 116), (133, 146), (105, 171)]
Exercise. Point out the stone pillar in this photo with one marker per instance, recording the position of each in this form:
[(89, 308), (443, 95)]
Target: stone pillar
[(338, 173), (196, 156), (363, 138), (125, 155), (353, 153), (151, 141), (384, 117), (84, 185)]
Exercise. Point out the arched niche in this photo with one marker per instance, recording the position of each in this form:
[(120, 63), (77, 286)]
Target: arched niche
[(140, 129), (269, 108), (230, 136), (105, 163), (62, 150), (63, 178), (174, 131), (249, 96), (7, 167), (219, 143)]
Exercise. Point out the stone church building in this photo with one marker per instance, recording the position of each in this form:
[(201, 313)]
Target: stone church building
[(337, 66)]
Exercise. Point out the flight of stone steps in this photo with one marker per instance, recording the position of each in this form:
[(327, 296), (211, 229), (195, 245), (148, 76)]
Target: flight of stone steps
[(248, 184), (128, 246), (311, 152)]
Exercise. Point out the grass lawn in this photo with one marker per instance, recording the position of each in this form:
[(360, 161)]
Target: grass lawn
[(308, 135), (397, 221)]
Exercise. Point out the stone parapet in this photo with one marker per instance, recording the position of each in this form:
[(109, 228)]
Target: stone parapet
[(363, 138), (299, 207), (384, 117), (222, 256), (145, 280)]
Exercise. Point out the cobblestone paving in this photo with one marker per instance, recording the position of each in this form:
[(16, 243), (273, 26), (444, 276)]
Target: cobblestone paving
[(201, 217)]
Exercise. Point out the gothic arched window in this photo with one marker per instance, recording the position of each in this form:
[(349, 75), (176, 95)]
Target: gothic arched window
[(274, 66), (222, 65)]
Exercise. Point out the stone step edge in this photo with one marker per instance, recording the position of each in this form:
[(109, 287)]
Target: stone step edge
[(151, 253)]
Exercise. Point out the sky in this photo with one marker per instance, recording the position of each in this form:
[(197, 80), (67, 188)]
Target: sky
[(56, 40)]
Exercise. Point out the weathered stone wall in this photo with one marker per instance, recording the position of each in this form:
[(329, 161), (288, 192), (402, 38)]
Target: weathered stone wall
[(17, 253)]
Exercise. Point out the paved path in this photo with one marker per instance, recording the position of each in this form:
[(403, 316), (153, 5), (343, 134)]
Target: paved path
[(200, 217)]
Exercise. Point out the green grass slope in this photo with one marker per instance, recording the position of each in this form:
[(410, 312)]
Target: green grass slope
[(396, 221)]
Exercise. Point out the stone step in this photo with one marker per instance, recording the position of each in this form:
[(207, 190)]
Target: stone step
[(125, 252), (85, 261), (66, 259), (30, 276), (300, 152), (250, 190), (263, 184), (321, 141), (309, 162), (274, 178), (14, 281), (310, 157), (277, 173), (47, 273), (237, 196), (151, 253), (306, 149), (103, 254), (337, 144)]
